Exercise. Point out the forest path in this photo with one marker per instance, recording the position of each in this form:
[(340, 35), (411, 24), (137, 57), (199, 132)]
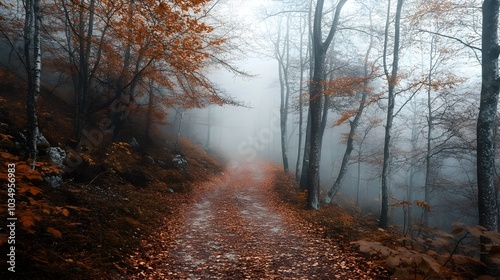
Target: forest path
[(235, 229)]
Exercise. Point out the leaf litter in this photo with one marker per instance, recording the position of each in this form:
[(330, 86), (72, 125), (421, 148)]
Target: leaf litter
[(236, 228)]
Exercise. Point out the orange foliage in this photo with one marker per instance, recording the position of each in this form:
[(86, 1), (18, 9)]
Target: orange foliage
[(170, 43), (30, 208), (437, 10), (345, 116), (344, 86), (119, 157), (133, 42), (423, 204)]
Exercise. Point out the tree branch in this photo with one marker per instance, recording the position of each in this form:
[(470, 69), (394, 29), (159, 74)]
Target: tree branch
[(453, 38)]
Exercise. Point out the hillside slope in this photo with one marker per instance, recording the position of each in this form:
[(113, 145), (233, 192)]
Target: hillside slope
[(88, 226)]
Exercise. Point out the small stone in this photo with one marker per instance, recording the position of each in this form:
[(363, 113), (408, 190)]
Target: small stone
[(133, 143), (57, 155), (53, 180), (180, 162)]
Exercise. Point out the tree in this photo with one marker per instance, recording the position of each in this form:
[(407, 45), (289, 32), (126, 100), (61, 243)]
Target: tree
[(303, 60), (32, 22), (83, 48), (430, 20), (282, 55), (355, 121), (392, 79), (320, 49), (114, 48), (30, 58), (486, 123), (307, 141)]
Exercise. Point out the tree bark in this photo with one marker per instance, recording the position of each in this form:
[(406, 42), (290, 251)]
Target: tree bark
[(352, 132), (149, 116), (208, 144), (392, 81), (307, 143), (487, 204), (320, 48), (307, 148), (32, 38), (428, 155), (301, 106), (283, 57)]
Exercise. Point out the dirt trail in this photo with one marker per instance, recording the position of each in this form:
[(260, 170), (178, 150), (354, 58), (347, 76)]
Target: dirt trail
[(236, 230)]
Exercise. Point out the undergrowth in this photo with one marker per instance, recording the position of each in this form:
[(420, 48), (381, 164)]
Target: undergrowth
[(119, 195), (419, 253)]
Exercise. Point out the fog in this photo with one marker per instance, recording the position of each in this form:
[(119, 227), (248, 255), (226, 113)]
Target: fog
[(251, 132)]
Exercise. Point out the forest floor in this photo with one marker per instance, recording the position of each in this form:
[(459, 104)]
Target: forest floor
[(132, 213), (238, 228), (129, 213)]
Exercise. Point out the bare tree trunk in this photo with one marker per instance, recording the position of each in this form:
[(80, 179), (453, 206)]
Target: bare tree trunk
[(427, 186), (411, 182), (30, 102), (352, 132), (84, 50), (315, 145), (307, 148), (149, 117), (282, 55), (33, 70), (360, 150), (179, 129), (209, 127), (430, 128), (79, 37), (486, 122), (307, 143), (301, 106), (392, 81), (320, 49)]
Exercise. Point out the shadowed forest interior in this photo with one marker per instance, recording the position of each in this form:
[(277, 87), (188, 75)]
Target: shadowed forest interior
[(169, 139)]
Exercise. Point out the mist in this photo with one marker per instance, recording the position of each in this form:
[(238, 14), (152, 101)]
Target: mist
[(252, 132), (378, 118)]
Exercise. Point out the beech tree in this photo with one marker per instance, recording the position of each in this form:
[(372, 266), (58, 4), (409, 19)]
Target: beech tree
[(282, 55), (85, 25), (392, 79), (486, 123), (32, 22), (320, 49), (30, 58), (356, 118), (115, 51), (307, 140), (304, 55), (430, 22)]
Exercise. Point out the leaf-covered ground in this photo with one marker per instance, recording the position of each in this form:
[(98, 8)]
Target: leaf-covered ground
[(236, 228), (119, 195)]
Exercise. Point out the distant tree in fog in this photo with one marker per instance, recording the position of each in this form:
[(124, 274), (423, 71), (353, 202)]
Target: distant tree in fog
[(353, 116)]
